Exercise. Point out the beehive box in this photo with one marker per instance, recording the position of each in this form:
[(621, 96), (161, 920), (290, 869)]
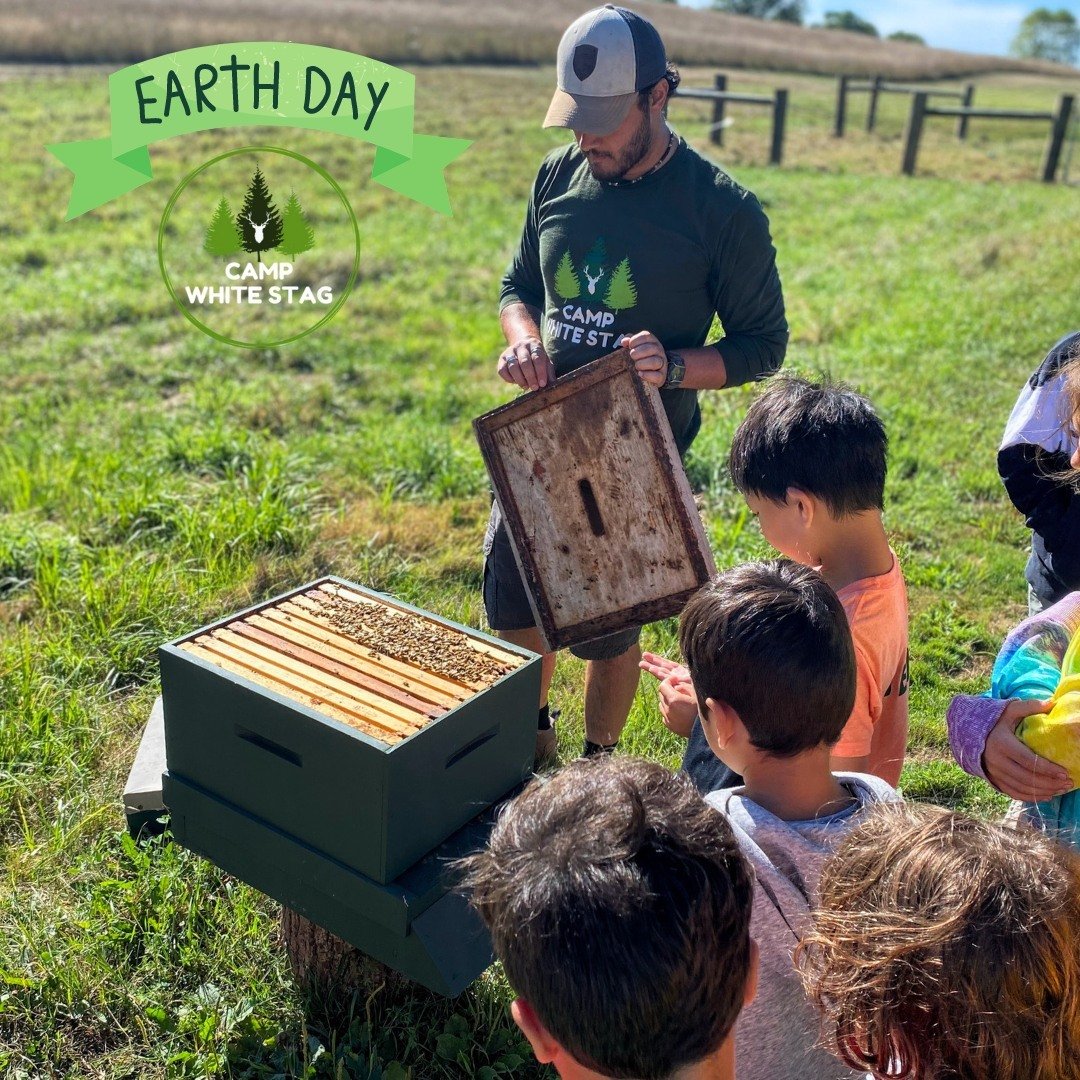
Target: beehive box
[(419, 924), (360, 726), (596, 502)]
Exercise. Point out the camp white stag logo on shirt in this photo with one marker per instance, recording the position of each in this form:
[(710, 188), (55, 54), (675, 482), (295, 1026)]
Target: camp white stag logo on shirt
[(593, 291)]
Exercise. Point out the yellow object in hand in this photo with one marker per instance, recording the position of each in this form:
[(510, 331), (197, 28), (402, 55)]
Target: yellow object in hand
[(1056, 735)]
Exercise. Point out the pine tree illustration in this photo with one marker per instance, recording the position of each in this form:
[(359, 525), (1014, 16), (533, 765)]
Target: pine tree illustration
[(259, 223), (297, 235), (221, 235), (622, 292), (595, 266), (567, 283)]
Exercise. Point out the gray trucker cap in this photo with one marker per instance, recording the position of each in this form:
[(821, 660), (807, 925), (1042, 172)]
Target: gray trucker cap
[(605, 58)]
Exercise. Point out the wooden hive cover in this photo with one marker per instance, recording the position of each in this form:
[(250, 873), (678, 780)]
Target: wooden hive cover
[(596, 502), (366, 662)]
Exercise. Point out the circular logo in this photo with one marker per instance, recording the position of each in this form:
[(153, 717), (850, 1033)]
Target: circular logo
[(258, 247)]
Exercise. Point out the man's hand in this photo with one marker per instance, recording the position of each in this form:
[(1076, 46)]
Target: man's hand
[(648, 355), (1014, 768), (526, 364), (678, 702)]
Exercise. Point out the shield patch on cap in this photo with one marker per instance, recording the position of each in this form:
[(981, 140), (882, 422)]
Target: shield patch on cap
[(584, 61)]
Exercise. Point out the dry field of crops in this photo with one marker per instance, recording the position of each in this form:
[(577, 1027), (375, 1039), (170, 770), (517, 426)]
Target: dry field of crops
[(477, 31)]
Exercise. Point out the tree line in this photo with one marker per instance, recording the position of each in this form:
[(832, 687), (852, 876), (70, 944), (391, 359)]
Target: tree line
[(1043, 34)]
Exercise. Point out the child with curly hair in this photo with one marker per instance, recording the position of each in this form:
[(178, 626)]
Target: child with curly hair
[(948, 947)]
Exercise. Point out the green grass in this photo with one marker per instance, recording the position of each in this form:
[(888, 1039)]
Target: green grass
[(152, 480)]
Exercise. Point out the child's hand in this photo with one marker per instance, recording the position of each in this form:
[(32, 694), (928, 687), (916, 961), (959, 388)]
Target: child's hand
[(678, 702), (660, 666), (1014, 768)]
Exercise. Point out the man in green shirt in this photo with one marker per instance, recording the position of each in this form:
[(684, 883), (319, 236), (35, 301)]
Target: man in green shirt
[(630, 238)]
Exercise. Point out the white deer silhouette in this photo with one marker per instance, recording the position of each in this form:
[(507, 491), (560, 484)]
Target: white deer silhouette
[(593, 280), (258, 228)]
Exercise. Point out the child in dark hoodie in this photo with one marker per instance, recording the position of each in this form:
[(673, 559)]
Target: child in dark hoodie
[(773, 667), (1035, 450)]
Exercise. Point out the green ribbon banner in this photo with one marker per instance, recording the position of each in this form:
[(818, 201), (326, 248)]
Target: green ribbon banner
[(264, 83)]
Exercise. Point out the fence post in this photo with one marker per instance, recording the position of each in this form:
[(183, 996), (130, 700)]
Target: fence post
[(776, 151), (965, 103), (716, 134), (841, 106), (914, 132), (871, 108), (1058, 130)]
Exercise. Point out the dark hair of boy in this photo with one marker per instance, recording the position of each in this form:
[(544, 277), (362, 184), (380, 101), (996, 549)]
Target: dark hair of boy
[(822, 438), (771, 640), (619, 905)]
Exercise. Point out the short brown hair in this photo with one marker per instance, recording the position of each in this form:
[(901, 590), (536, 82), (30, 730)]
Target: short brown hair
[(949, 947), (619, 904), (771, 640), (672, 77)]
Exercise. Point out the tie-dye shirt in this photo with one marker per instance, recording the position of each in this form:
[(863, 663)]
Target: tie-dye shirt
[(1028, 666)]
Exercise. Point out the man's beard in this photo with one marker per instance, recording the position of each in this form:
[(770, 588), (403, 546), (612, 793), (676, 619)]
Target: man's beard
[(607, 167)]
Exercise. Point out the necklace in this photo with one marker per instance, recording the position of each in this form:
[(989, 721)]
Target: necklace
[(664, 158)]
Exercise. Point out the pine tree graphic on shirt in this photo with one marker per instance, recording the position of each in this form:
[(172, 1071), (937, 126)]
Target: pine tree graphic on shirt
[(622, 292), (567, 283)]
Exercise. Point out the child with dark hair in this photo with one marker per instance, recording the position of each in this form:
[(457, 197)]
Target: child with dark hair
[(810, 460), (619, 905), (773, 669), (947, 948)]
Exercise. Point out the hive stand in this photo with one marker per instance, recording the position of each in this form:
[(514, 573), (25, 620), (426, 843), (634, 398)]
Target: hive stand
[(143, 802)]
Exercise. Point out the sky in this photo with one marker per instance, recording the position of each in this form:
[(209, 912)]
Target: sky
[(983, 26)]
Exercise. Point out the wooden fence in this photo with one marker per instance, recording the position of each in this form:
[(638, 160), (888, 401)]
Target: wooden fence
[(921, 108), (877, 86), (1058, 120), (719, 95)]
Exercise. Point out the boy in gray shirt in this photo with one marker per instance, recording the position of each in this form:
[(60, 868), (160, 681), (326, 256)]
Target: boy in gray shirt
[(773, 667)]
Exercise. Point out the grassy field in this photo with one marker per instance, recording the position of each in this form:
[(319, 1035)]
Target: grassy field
[(152, 480), (459, 31)]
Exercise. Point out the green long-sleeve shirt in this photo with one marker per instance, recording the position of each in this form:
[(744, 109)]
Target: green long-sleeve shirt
[(665, 254)]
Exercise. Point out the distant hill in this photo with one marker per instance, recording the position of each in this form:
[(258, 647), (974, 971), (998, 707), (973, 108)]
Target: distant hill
[(476, 31)]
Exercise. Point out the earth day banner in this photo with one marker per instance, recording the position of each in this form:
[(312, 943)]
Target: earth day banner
[(265, 83), (260, 200)]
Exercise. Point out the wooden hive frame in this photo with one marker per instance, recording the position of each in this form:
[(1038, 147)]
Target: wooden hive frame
[(557, 459), (293, 648)]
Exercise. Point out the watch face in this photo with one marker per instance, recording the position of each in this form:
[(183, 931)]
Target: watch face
[(676, 369)]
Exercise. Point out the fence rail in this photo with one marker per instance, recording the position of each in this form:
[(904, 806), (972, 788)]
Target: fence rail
[(1058, 119), (877, 86), (719, 95)]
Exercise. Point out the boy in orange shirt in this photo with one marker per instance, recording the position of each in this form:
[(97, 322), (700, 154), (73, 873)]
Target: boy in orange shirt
[(810, 460)]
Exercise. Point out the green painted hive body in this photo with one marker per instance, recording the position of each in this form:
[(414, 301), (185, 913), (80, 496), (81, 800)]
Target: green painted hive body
[(376, 807), (418, 925), (270, 775)]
